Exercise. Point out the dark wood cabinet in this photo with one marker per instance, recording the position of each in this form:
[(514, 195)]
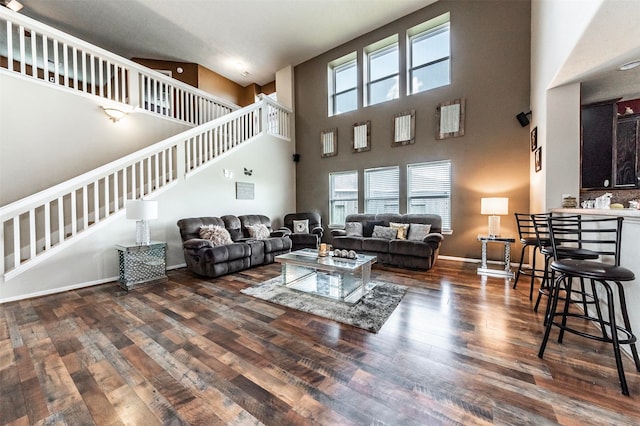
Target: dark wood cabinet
[(598, 132), (626, 151)]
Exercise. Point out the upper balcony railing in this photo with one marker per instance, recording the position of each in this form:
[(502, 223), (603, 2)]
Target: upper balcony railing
[(38, 51)]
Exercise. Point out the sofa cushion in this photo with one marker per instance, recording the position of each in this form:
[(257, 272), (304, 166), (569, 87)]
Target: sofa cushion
[(403, 229), (216, 234), (367, 229), (353, 229), (418, 231), (301, 226), (384, 232), (410, 248), (348, 243), (378, 245), (259, 231)]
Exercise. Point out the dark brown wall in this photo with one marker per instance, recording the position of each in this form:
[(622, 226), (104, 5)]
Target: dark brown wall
[(189, 74), (490, 68)]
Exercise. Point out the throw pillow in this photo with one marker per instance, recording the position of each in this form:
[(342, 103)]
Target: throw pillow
[(367, 228), (353, 229), (301, 226), (418, 231), (385, 232), (216, 234), (259, 232), (403, 229)]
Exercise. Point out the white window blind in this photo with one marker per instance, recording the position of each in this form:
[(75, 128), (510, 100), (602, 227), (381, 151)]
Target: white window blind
[(381, 190), (343, 196), (429, 190)]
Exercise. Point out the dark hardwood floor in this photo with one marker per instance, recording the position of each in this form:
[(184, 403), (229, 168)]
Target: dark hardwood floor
[(459, 349)]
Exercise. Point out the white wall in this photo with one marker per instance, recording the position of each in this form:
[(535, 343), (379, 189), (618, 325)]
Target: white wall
[(49, 135), (94, 259)]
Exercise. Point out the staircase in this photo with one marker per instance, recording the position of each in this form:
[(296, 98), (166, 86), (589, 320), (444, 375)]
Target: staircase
[(45, 223)]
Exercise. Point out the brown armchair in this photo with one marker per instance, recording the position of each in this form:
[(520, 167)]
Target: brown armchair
[(305, 229)]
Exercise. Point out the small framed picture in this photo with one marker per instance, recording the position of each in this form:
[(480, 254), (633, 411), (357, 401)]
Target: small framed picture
[(538, 159), (534, 139)]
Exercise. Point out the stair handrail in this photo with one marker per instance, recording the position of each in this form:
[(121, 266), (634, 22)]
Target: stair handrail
[(158, 166), (124, 81)]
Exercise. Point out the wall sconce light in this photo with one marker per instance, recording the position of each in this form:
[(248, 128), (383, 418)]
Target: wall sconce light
[(494, 207), (227, 173), (522, 118), (142, 211), (114, 114)]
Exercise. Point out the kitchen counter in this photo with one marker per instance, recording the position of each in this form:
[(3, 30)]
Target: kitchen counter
[(626, 213)]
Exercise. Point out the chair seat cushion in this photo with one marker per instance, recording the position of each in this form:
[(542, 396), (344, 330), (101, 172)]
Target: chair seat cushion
[(591, 269)]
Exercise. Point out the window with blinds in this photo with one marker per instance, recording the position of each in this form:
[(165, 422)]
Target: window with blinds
[(429, 190), (382, 190), (343, 196)]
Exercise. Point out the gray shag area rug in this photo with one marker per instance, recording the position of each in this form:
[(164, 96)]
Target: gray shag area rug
[(370, 313)]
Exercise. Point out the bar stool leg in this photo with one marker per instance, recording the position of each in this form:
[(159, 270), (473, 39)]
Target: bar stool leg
[(553, 299), (614, 339), (544, 284), (519, 271), (627, 324), (598, 310), (567, 301), (533, 273)]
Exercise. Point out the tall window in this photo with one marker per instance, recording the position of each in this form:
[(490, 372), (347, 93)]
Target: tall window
[(381, 190), (429, 55), (343, 196), (429, 190), (381, 75), (343, 88)]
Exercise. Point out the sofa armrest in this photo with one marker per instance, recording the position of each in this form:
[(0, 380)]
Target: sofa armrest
[(318, 231), (282, 232), (433, 238), (338, 232), (196, 244)]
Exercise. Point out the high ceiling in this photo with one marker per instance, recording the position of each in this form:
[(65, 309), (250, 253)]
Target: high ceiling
[(226, 36)]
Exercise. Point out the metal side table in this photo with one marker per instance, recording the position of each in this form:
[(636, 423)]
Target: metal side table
[(506, 240), (142, 265)]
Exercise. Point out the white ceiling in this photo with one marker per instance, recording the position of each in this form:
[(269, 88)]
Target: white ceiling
[(261, 35)]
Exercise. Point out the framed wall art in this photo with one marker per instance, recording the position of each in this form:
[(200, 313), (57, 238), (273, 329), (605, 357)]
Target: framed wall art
[(329, 143), (534, 139), (538, 158), (404, 128), (450, 119), (361, 138)]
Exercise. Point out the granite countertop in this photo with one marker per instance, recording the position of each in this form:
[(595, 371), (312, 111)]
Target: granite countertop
[(601, 212)]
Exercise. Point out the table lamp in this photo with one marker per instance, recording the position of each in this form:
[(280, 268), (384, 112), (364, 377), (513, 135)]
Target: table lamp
[(142, 211), (494, 207)]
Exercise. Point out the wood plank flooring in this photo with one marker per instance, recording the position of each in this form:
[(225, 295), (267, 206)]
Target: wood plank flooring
[(459, 349)]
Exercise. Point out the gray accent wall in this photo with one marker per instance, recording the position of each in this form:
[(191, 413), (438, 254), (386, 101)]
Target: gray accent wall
[(490, 68)]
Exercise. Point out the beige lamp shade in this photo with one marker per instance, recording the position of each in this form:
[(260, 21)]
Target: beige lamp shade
[(494, 207)]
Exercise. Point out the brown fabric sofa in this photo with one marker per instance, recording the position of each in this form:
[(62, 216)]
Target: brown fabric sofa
[(403, 253), (207, 260)]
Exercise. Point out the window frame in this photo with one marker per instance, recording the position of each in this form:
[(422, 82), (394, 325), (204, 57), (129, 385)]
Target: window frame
[(420, 32), (333, 199), (446, 219), (374, 51), (336, 66), (367, 189)]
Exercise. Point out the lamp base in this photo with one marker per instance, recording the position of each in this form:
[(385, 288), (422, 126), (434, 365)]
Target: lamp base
[(494, 226), (142, 233)]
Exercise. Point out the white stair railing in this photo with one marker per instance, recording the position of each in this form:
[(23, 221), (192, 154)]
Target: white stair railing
[(38, 226), (37, 51)]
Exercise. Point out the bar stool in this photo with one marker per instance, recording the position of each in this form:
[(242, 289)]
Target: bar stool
[(602, 235), (528, 238), (540, 223)]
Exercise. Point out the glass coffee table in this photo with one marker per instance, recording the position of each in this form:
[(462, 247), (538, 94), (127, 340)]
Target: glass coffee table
[(337, 278)]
